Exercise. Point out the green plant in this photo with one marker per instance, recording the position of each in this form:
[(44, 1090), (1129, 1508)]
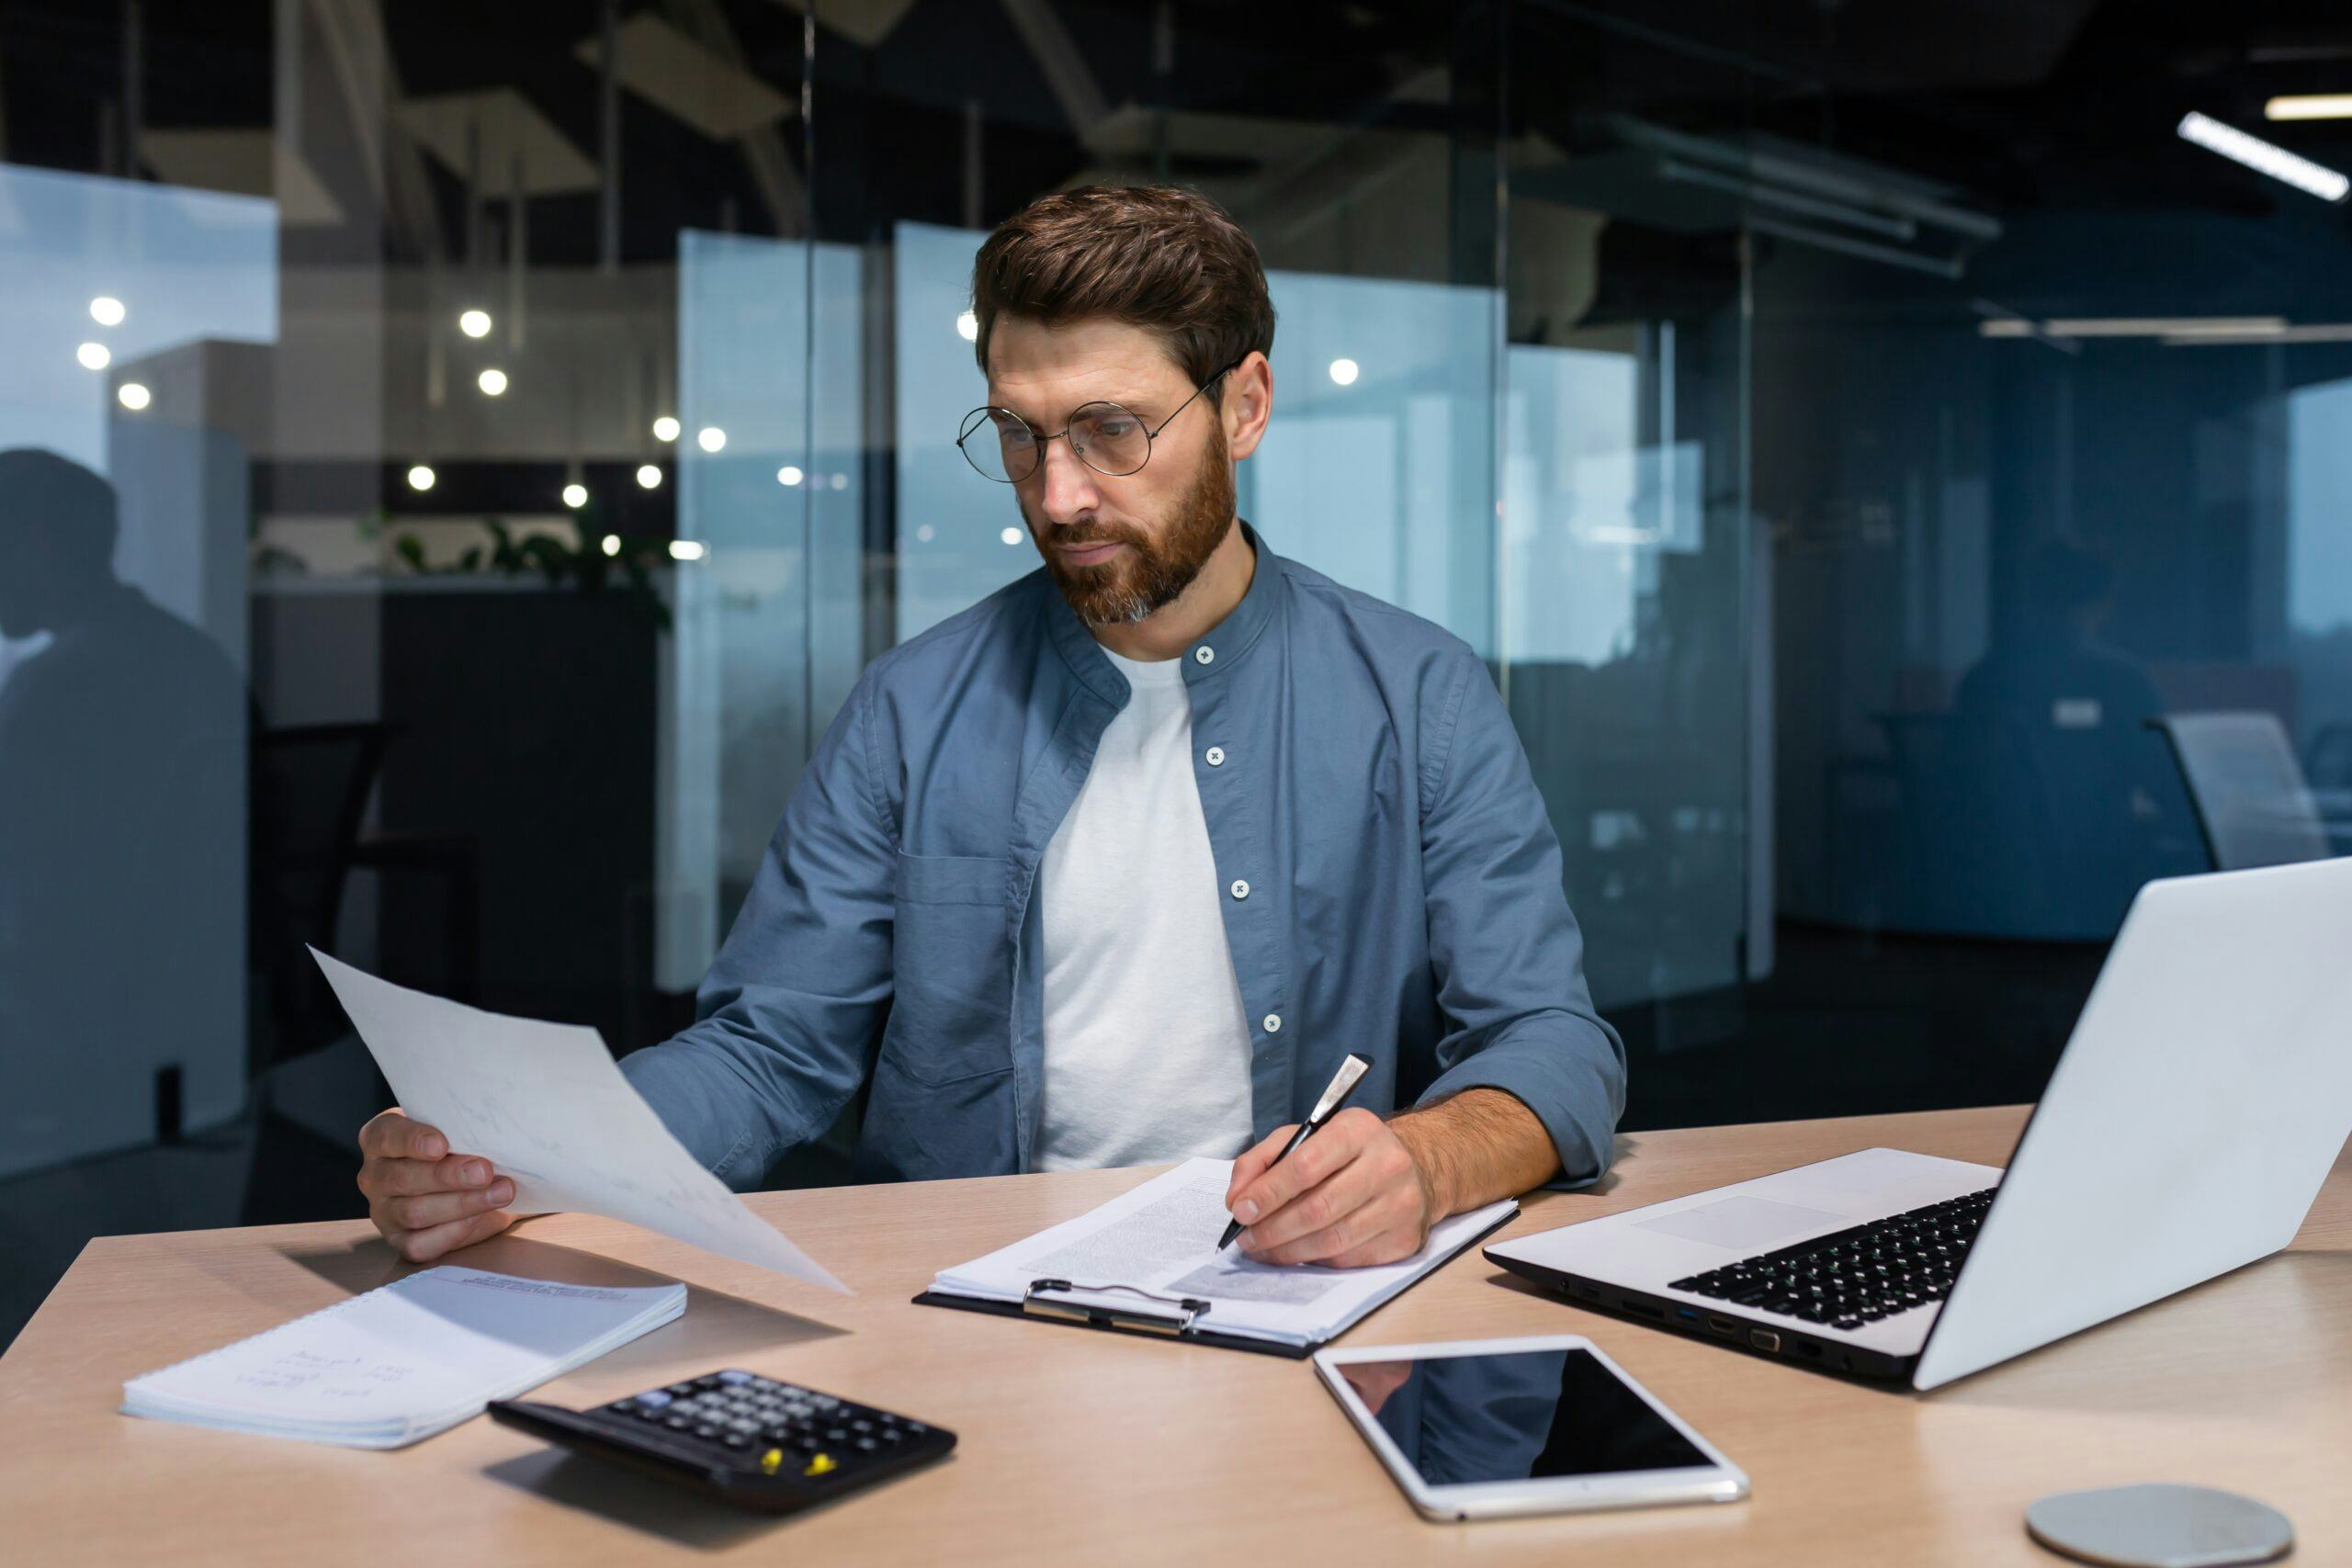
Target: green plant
[(563, 563)]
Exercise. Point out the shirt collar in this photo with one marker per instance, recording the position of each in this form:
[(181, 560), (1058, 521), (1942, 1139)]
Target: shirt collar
[(1223, 643)]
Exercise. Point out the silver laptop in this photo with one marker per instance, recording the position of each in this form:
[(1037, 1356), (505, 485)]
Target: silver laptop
[(2199, 1104)]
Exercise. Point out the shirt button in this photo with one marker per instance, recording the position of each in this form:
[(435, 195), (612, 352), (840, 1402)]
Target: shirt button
[(1273, 1023), (1240, 889), (1215, 757), (1205, 654)]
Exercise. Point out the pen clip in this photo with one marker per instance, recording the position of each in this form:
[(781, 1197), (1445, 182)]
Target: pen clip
[(1190, 1307), (1343, 1084)]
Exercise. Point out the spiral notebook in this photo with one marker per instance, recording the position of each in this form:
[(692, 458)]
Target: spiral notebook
[(398, 1364)]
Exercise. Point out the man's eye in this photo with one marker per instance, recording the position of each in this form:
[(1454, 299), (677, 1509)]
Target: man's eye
[(1016, 435), (1115, 429)]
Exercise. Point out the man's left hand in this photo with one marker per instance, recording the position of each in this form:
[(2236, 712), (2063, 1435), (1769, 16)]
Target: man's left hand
[(1350, 1196)]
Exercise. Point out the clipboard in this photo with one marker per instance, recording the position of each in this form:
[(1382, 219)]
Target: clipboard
[(1189, 1318)]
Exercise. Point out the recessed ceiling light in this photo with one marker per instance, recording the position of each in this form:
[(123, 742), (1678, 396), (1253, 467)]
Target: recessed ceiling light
[(710, 438), (474, 323), (493, 381), (665, 429), (575, 496), (1344, 372), (686, 549), (2310, 105), (94, 355), (650, 476), (132, 396), (107, 310), (420, 478)]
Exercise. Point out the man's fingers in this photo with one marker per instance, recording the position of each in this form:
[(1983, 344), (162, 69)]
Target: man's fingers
[(1313, 1162), (395, 1136), (1376, 1230), (439, 1208), (407, 1178), (1319, 1208), (1254, 1160), (423, 1247)]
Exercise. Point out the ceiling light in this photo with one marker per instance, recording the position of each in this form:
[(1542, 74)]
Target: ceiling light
[(665, 429), (2133, 326), (686, 549), (493, 381), (420, 478), (925, 533), (132, 396), (107, 310), (1344, 372), (2316, 331), (575, 495), (474, 323), (967, 327), (2264, 158), (710, 438), (2310, 105), (1011, 535), (789, 475), (650, 476), (612, 544), (94, 356), (840, 482)]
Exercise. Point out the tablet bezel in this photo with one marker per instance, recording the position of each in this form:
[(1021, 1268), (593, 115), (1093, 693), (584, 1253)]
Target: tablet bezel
[(1719, 1481)]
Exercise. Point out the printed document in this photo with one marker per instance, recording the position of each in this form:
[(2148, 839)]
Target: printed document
[(1159, 1241), (547, 1106)]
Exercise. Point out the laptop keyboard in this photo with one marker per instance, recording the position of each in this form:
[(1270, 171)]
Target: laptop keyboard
[(1857, 1276)]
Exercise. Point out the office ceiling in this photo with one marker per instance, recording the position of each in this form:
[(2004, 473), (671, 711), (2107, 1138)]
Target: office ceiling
[(2015, 103)]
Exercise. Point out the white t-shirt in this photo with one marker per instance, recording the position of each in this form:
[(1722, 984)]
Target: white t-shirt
[(1147, 1045)]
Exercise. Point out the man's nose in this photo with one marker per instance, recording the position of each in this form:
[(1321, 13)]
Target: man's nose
[(1070, 492)]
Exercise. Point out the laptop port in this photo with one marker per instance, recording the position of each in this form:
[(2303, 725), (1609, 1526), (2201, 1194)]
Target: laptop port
[(1685, 1315), (1645, 1308), (1763, 1339), (1806, 1348), (1722, 1325)]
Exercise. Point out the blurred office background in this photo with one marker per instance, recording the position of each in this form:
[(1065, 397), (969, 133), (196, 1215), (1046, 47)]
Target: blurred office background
[(1901, 481)]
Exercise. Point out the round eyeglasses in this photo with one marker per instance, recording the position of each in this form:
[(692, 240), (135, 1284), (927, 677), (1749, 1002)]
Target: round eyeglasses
[(1108, 437)]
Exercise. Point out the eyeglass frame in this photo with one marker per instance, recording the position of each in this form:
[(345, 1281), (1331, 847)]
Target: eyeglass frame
[(1151, 434)]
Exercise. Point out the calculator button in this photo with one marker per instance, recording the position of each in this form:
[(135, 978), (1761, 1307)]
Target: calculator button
[(820, 1464), (866, 1445), (736, 1440), (837, 1434), (861, 1425), (733, 1376), (676, 1423), (681, 1390), (892, 1434), (706, 1431), (654, 1399)]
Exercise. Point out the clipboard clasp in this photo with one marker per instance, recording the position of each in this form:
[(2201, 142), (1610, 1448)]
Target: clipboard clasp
[(1189, 1308)]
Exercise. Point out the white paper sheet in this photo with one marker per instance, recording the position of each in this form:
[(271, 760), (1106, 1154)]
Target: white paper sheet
[(547, 1105), (403, 1362), (1161, 1238)]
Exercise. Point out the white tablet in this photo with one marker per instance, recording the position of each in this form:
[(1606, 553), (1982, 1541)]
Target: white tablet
[(1481, 1429)]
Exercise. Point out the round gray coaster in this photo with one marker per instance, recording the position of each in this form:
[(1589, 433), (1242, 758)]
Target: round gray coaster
[(2160, 1527)]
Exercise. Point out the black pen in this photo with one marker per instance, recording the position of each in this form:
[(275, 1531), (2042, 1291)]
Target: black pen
[(1343, 1084)]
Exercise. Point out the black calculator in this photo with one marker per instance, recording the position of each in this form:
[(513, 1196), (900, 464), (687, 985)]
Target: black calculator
[(750, 1440)]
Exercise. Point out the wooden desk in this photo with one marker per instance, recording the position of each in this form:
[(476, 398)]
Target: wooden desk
[(1093, 1449)]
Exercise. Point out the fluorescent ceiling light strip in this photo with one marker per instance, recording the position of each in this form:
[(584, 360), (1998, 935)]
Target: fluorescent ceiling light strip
[(2161, 326), (2310, 105), (2263, 157), (2317, 332)]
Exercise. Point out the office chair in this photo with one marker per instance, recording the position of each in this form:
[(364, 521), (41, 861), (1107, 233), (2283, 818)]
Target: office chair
[(2253, 807)]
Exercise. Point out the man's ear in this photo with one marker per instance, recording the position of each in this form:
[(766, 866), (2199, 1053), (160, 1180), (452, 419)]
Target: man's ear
[(1247, 403)]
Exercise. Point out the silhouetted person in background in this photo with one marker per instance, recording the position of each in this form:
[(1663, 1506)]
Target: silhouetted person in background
[(2079, 708), (122, 829)]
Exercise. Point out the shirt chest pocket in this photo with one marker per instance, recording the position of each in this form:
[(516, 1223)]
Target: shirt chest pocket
[(951, 970)]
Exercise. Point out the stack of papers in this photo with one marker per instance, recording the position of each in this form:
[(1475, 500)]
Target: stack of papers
[(1159, 1242), (415, 1358)]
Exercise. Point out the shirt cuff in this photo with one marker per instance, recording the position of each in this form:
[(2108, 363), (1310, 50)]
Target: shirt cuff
[(1577, 1099)]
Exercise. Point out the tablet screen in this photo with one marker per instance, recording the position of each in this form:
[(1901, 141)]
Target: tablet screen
[(1521, 1414)]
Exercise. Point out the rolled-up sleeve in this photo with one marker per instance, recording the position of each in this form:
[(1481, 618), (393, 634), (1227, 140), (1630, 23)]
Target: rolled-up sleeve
[(1508, 957), (788, 1017)]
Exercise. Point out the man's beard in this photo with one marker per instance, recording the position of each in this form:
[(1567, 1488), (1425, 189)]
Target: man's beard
[(1150, 573)]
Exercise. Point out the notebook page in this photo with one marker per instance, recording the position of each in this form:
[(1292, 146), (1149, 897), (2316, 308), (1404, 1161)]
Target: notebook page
[(440, 1342), (1161, 1237)]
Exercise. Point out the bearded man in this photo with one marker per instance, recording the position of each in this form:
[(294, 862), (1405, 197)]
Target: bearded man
[(1117, 866)]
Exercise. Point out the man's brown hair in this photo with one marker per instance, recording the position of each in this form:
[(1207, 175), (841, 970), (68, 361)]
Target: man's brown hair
[(1158, 257)]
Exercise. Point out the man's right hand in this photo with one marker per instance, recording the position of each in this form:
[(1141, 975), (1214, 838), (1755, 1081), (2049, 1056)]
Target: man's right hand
[(424, 1199)]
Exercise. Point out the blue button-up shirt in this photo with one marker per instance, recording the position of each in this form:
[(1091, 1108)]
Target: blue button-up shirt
[(1389, 882)]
